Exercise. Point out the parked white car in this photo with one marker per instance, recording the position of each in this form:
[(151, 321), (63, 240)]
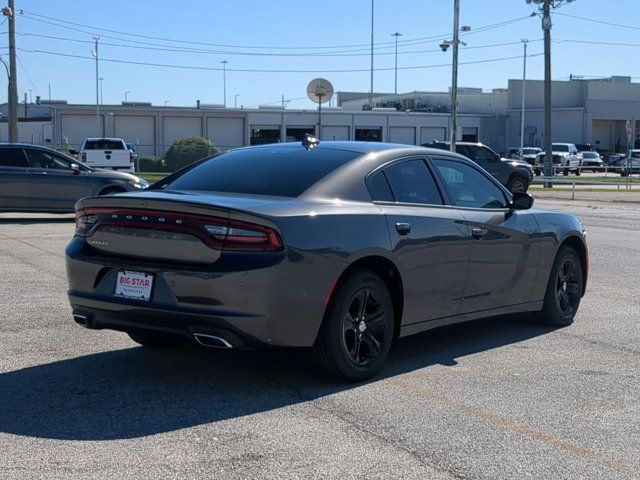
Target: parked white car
[(569, 158), (109, 153)]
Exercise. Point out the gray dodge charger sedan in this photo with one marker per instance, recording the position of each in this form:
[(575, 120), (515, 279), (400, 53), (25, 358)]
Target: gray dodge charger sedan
[(337, 246)]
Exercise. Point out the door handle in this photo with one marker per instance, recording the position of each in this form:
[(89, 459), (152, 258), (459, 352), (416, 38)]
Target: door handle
[(403, 228), (478, 233)]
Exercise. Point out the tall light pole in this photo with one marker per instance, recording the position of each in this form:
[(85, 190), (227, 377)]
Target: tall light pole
[(545, 6), (224, 82), (397, 34), (101, 97), (95, 54), (12, 96), (371, 82), (524, 81), (235, 100), (126, 95)]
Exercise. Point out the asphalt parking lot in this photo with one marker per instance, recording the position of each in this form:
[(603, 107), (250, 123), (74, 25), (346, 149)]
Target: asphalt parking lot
[(501, 398)]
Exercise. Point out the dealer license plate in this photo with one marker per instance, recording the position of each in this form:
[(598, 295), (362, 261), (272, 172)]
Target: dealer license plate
[(136, 285)]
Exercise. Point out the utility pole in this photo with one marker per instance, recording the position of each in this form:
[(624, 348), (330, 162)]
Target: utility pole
[(371, 84), (397, 34), (454, 75), (101, 97), (13, 84), (224, 82), (524, 80), (95, 53)]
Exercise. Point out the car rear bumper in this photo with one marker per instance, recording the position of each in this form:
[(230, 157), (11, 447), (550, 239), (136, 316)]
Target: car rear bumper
[(257, 299)]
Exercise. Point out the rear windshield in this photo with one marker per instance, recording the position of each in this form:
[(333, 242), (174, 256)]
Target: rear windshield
[(104, 145), (560, 148), (278, 171)]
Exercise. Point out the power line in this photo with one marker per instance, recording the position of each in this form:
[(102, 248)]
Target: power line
[(65, 24), (595, 42), (24, 69), (259, 54), (257, 70), (602, 22)]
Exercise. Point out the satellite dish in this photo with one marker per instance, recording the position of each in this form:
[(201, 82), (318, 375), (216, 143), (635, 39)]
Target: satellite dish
[(320, 90)]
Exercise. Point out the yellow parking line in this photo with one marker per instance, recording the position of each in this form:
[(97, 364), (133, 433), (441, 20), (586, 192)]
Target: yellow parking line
[(48, 252), (526, 431), (524, 367)]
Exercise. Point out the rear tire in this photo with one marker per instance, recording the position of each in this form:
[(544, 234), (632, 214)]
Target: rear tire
[(154, 340), (564, 290), (357, 331)]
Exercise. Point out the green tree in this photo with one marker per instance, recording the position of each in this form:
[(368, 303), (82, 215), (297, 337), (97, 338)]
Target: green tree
[(188, 150)]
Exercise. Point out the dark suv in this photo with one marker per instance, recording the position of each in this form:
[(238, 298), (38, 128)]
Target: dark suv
[(39, 179), (516, 175)]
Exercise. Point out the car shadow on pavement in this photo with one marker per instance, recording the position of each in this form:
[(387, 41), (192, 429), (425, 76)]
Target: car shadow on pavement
[(135, 392)]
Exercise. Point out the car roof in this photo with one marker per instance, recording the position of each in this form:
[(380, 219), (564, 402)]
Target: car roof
[(25, 145), (104, 138), (349, 146)]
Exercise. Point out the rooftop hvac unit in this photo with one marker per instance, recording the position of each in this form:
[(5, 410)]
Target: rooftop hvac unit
[(408, 103)]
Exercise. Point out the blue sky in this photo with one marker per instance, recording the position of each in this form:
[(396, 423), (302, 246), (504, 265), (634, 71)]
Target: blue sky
[(243, 31)]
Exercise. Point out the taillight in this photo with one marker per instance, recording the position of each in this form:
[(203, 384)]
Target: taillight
[(217, 233), (84, 222)]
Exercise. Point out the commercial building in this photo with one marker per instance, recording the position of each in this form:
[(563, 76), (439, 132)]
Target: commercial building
[(584, 112)]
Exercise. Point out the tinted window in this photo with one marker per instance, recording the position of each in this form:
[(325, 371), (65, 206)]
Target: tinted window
[(379, 188), (12, 157), (42, 159), (104, 145), (285, 172), (467, 187), (412, 182), (560, 148), (484, 154)]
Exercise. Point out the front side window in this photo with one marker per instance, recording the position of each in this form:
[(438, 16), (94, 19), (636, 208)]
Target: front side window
[(41, 159), (12, 157), (486, 155), (411, 182), (467, 187)]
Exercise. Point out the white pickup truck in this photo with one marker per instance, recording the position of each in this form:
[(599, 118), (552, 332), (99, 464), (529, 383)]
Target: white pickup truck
[(110, 153)]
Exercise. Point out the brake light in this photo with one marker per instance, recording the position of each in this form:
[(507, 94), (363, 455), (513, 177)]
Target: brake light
[(215, 232)]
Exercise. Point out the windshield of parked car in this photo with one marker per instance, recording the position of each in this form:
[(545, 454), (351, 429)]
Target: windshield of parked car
[(635, 154), (560, 148), (282, 172), (103, 144), (590, 155), (530, 151)]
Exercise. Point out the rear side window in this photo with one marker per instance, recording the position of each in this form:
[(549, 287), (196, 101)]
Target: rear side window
[(283, 172), (104, 145), (379, 188), (12, 157), (411, 182)]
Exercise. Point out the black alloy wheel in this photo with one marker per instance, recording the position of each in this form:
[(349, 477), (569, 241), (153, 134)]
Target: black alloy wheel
[(517, 184), (357, 331), (564, 289)]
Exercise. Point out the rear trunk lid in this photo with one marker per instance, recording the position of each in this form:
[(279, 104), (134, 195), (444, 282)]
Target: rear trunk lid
[(175, 226)]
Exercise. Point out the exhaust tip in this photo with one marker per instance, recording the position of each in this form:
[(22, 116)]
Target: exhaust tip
[(81, 319), (211, 341)]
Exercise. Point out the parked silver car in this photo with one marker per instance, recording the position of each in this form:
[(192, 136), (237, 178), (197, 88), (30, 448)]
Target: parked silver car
[(39, 179)]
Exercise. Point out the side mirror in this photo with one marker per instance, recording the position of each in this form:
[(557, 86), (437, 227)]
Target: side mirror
[(74, 168), (521, 201), (73, 151)]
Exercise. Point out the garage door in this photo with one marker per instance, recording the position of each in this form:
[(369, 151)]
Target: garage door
[(137, 129), (226, 133), (335, 133), (405, 135), (176, 128), (429, 134), (75, 128)]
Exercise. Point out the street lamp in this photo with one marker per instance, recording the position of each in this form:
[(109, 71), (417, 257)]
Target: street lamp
[(101, 97), (524, 80), (235, 100), (397, 34), (126, 95), (165, 102), (224, 82), (455, 43)]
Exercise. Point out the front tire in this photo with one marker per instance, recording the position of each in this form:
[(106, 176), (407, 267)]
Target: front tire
[(564, 290), (357, 331), (517, 184), (154, 340)]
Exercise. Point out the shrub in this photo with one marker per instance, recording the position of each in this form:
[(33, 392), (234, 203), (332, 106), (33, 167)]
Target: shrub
[(188, 150), (151, 164)]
